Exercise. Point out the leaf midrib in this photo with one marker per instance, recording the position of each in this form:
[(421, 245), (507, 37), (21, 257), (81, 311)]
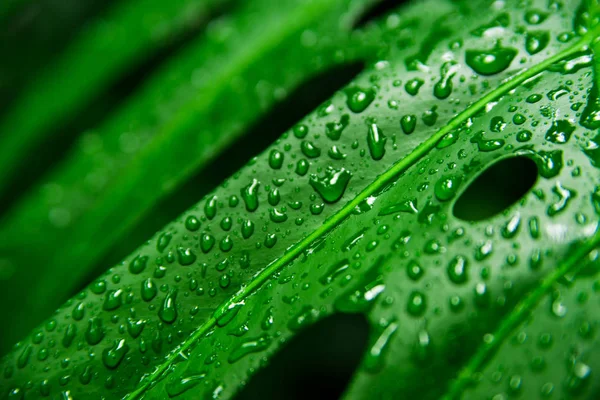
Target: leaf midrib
[(382, 181)]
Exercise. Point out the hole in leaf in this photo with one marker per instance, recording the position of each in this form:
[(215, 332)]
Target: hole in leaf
[(318, 363), (57, 144), (376, 11), (282, 117), (500, 186)]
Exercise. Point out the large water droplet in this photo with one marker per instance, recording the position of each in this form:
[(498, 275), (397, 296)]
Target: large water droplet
[(490, 62), (376, 141), (250, 195), (332, 185), (112, 356), (168, 309)]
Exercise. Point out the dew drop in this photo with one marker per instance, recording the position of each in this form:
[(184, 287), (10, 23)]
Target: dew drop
[(112, 356), (250, 195), (490, 62), (275, 159), (359, 99), (332, 185), (376, 141), (168, 309), (138, 264)]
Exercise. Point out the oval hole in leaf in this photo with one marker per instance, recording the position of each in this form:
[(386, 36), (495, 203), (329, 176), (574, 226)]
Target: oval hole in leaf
[(500, 186), (375, 11), (283, 116), (317, 363)]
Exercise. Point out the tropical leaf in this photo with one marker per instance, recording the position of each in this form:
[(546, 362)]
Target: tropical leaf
[(152, 143), (450, 195)]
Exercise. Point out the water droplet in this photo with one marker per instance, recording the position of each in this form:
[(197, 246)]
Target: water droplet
[(69, 335), (359, 99), (408, 123), (149, 289), (138, 264), (225, 315), (446, 187), (362, 295), (163, 241), (135, 327), (405, 206), (78, 311), (302, 167), (95, 331), (250, 346), (560, 132), (487, 145), (178, 386), (250, 195), (300, 131), (578, 378), (443, 88), (192, 223), (335, 153), (414, 270), (334, 130), (112, 356), (309, 149), (376, 141), (535, 17), (307, 316), (98, 287), (207, 241), (511, 228), (113, 300), (565, 195), (484, 250), (334, 271), (247, 229), (210, 207), (270, 240), (417, 304), (430, 117), (490, 62), (550, 163), (226, 244), (277, 216), (168, 309), (24, 357), (185, 256), (412, 86), (332, 185), (374, 359), (457, 270), (590, 117), (536, 41), (524, 136), (275, 159)]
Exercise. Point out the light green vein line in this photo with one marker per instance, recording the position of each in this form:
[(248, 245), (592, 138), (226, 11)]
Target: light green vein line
[(382, 181), (517, 316)]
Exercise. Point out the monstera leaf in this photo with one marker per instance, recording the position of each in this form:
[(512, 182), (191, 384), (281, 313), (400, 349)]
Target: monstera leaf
[(439, 214)]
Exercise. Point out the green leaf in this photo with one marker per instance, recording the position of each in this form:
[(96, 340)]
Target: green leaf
[(465, 299), (152, 144)]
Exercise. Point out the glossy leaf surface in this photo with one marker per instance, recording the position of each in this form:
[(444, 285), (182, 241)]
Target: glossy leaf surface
[(379, 203)]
